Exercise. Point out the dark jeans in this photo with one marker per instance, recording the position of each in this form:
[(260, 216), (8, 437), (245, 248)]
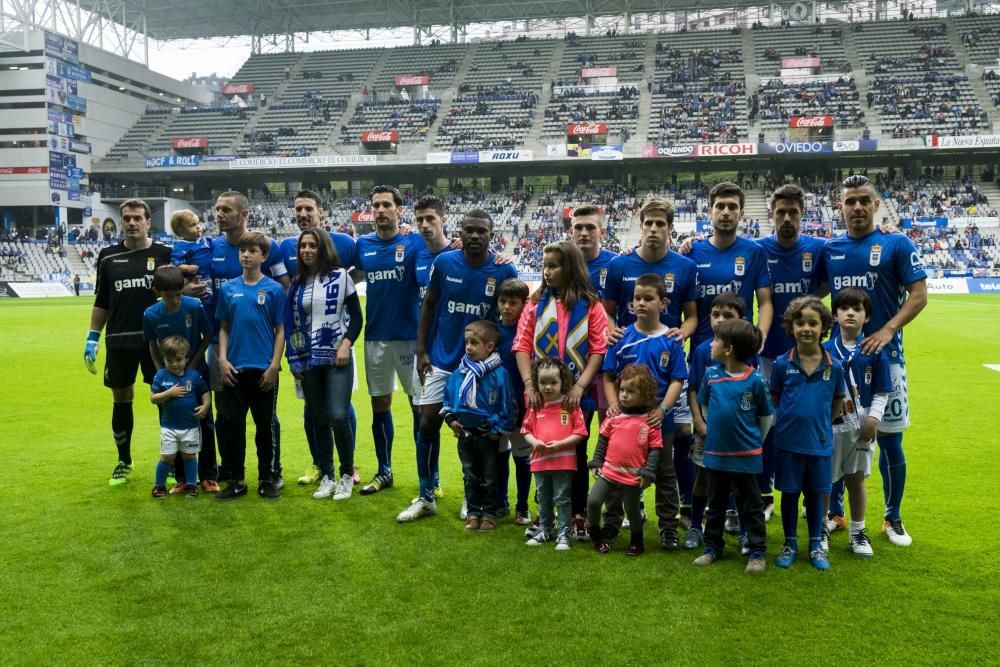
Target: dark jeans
[(667, 502), (234, 403), (479, 467), (328, 396), (581, 478), (721, 484), (629, 496)]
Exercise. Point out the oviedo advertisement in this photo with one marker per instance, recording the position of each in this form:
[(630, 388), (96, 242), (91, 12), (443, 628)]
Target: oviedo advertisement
[(744, 149)]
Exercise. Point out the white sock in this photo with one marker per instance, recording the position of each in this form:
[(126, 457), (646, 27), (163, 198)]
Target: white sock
[(857, 526)]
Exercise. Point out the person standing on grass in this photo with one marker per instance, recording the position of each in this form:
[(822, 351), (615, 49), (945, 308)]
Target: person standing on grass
[(322, 320), (121, 296), (888, 269)]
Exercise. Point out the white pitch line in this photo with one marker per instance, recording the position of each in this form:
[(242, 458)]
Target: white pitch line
[(993, 367)]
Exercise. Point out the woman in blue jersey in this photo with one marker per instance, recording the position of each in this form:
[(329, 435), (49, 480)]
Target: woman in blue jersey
[(322, 320)]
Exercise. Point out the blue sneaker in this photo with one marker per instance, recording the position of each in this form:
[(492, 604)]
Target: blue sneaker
[(786, 558), (819, 559)]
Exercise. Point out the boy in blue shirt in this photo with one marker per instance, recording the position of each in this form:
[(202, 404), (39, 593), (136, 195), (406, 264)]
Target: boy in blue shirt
[(477, 408), (868, 385), (184, 316), (648, 342), (184, 401), (733, 399), (513, 296), (250, 312), (808, 389)]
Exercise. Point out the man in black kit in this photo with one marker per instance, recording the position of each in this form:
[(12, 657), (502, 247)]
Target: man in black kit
[(123, 292)]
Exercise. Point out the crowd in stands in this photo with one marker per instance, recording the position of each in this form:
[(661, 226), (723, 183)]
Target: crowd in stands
[(931, 96), (923, 197), (956, 249), (783, 100)]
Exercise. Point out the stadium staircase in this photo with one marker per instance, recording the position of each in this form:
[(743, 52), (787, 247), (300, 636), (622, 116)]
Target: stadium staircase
[(447, 99), (872, 118), (533, 140), (990, 189), (755, 208), (645, 96), (276, 97), (752, 78), (331, 145), (75, 262)]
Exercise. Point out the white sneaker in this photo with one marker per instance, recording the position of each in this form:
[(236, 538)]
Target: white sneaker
[(861, 545), (768, 512), (539, 538), (463, 514), (419, 508), (326, 488), (562, 542), (626, 523), (345, 488), (824, 541), (896, 533)]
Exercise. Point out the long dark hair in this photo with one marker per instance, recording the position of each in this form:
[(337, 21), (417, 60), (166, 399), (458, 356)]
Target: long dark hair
[(575, 279), (327, 258)]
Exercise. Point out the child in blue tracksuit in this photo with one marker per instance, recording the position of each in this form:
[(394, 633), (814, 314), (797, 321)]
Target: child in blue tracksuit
[(511, 298), (478, 402)]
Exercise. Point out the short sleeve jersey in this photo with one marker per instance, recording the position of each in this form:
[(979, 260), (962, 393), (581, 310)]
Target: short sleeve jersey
[(661, 354), (865, 374), (597, 271), (198, 253), (802, 423), (678, 274), (178, 412), (734, 405), (629, 440), (741, 269), (253, 312), (226, 265), (795, 272), (124, 289), (881, 265), (701, 361), (464, 294), (553, 422), (392, 305), (190, 321), (425, 258)]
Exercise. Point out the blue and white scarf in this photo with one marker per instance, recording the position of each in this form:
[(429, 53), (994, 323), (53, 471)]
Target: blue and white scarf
[(312, 338), (474, 371)]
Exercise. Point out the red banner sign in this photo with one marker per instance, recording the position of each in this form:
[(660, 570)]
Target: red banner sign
[(811, 121), (362, 216), (190, 142), (380, 137), (9, 171), (586, 129), (598, 72), (237, 89), (800, 63), (412, 80)]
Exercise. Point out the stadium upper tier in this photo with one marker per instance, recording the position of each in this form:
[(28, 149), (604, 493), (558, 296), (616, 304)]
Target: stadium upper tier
[(887, 79)]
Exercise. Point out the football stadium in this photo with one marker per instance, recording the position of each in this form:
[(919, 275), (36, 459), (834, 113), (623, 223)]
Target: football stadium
[(463, 280)]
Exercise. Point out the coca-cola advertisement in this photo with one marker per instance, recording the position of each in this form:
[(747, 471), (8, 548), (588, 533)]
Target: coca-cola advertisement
[(412, 80), (810, 128), (362, 216), (598, 72), (189, 143), (811, 121), (380, 137), (586, 129), (237, 89)]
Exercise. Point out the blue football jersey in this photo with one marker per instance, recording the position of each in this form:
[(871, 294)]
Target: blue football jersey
[(733, 407), (803, 422), (392, 305), (342, 243), (597, 270), (178, 412), (253, 312), (677, 271), (795, 272), (190, 321)]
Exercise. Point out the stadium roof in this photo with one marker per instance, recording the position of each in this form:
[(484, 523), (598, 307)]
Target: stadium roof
[(198, 19)]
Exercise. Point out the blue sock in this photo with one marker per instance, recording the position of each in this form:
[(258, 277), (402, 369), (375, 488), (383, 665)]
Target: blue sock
[(503, 479), (790, 516), (353, 419), (423, 447), (522, 476), (191, 470), (161, 472), (435, 442), (892, 465), (383, 432), (814, 517), (837, 498)]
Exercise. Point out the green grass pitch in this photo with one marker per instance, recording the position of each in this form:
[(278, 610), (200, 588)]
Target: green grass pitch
[(91, 574)]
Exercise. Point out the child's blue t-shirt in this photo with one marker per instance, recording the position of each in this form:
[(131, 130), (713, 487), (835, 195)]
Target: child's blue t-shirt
[(197, 252), (803, 423), (253, 312), (734, 405), (190, 322), (392, 304), (865, 374), (660, 353), (178, 413), (505, 348)]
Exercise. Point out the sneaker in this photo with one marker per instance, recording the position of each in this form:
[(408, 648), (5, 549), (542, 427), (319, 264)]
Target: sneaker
[(600, 546), (532, 529), (269, 489), (835, 522), (635, 549), (378, 483), (344, 489), (579, 528), (896, 533), (171, 480), (279, 481), (177, 488), (786, 558), (861, 544), (538, 539), (692, 539), (626, 524), (522, 518), (120, 474), (768, 511), (705, 559), (438, 492), (668, 540), (819, 559), (232, 490), (685, 519), (159, 492), (463, 513), (356, 477), (417, 509), (502, 512), (824, 540), (190, 490), (486, 524), (756, 566), (732, 522), (326, 487), (472, 523), (744, 545), (310, 476), (209, 486), (562, 542)]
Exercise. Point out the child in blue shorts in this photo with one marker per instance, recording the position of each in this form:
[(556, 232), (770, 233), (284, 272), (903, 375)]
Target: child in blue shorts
[(807, 389)]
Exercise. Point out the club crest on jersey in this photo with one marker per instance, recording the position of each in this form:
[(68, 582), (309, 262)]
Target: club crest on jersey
[(746, 400), (150, 263), (602, 278), (298, 340), (491, 286), (668, 281), (664, 359), (493, 395), (187, 385), (261, 297), (740, 266), (400, 252), (564, 418), (875, 256), (644, 435), (826, 375), (188, 321), (868, 374), (807, 261)]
